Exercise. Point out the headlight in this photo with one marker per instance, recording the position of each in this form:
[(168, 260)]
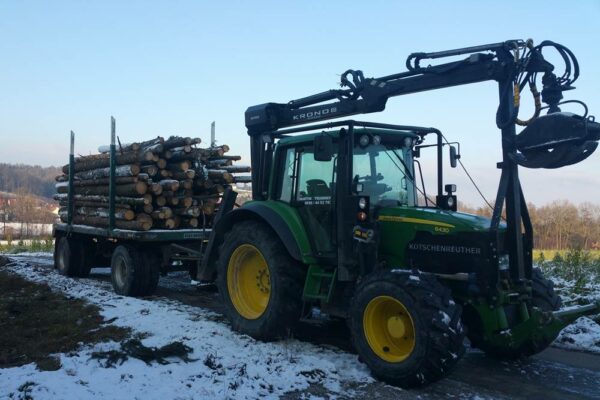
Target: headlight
[(364, 141), (362, 203), (450, 202), (376, 140)]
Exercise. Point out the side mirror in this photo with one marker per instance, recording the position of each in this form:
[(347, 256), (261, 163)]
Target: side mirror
[(323, 147), (454, 156)]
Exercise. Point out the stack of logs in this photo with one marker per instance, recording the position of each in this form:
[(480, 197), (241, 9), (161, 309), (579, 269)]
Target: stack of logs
[(163, 184)]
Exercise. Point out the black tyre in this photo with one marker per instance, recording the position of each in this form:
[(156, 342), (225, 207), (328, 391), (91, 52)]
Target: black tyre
[(152, 263), (544, 298), (68, 257), (88, 258), (259, 283), (131, 273), (406, 327)]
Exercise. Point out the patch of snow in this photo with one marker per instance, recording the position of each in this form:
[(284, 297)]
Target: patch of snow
[(248, 369), (445, 318), (582, 335), (38, 258)]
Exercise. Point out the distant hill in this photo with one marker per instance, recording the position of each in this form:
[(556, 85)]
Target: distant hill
[(34, 179)]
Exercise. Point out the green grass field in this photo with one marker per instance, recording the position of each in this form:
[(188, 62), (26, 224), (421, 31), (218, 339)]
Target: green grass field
[(27, 246), (551, 254)]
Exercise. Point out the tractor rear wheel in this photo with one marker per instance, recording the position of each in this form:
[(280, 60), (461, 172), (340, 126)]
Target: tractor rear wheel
[(259, 283), (543, 297), (406, 327)]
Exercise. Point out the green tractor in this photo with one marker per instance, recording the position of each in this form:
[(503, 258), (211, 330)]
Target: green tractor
[(340, 221)]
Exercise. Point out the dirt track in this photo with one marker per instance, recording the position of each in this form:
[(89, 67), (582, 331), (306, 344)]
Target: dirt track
[(553, 374)]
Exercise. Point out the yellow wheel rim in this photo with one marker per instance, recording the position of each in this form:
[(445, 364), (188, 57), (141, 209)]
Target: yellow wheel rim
[(389, 329), (248, 281)]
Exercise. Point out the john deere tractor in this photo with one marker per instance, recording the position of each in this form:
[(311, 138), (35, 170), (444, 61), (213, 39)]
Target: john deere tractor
[(340, 219)]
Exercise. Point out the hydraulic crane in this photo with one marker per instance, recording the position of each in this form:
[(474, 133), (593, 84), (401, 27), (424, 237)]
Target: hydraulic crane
[(335, 222)]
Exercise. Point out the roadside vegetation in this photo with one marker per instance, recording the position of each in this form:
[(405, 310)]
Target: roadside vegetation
[(581, 267), (575, 273), (27, 246)]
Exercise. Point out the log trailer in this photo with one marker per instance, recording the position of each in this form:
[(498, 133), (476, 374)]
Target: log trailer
[(336, 222)]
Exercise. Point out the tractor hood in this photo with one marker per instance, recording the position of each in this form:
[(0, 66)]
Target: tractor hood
[(434, 240), (429, 219)]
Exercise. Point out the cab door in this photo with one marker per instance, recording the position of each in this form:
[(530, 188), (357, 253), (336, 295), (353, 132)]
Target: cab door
[(309, 186)]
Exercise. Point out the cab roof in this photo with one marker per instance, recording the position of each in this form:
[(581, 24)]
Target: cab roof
[(335, 133)]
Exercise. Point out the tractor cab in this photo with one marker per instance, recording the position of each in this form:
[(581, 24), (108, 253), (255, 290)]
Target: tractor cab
[(308, 175), (342, 180)]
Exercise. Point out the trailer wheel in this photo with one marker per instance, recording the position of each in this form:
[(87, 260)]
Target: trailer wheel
[(132, 274), (152, 263), (406, 328), (87, 258), (259, 283), (545, 298), (68, 257)]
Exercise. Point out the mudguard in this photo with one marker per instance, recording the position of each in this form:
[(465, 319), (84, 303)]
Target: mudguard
[(283, 219)]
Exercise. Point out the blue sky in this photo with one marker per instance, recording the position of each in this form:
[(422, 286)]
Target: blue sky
[(172, 67)]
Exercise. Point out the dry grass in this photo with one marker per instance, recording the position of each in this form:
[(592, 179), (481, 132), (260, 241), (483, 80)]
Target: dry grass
[(36, 323)]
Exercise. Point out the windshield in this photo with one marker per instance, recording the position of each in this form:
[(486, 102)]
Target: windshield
[(385, 172)]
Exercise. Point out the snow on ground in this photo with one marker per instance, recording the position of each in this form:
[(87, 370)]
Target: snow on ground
[(583, 334), (243, 368)]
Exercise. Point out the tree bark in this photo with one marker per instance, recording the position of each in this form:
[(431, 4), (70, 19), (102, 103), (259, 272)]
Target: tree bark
[(183, 175), (189, 211), (166, 223), (137, 225), (165, 174), (95, 161), (179, 166), (169, 185), (162, 213), (172, 199), (236, 168), (133, 201), (128, 189), (187, 184), (160, 201), (122, 214), (151, 170), (161, 163), (220, 175), (133, 146), (189, 223), (104, 181), (242, 178), (177, 141), (121, 170)]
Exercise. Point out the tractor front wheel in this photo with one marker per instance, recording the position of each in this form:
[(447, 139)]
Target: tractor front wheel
[(406, 327), (260, 284)]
